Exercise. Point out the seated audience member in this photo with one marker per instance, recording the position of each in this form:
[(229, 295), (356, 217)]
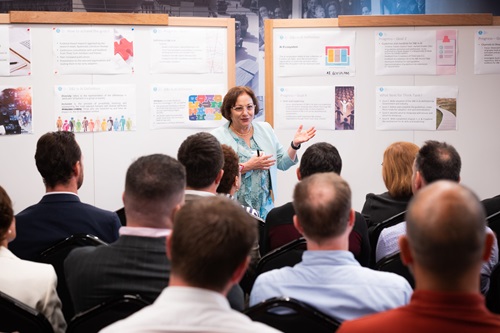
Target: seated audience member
[(319, 157), (60, 213), (31, 283), (137, 262), (201, 154), (329, 278), (396, 172), (231, 179), (445, 265), (434, 161), (209, 249)]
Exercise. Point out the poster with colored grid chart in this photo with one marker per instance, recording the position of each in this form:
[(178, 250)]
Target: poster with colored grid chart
[(186, 106), (324, 52)]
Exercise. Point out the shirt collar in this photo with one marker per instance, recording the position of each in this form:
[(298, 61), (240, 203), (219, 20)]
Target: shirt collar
[(60, 192), (144, 232), (200, 193)]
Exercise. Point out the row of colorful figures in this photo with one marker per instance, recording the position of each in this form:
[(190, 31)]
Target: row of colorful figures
[(90, 125)]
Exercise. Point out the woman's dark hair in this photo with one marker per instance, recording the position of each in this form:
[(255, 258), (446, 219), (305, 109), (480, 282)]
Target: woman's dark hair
[(230, 100)]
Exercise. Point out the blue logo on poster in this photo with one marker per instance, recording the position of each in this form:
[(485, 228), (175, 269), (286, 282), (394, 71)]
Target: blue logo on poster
[(380, 34), (381, 89)]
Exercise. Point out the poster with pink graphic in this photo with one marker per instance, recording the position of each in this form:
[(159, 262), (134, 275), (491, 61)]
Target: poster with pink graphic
[(93, 50), (416, 52)]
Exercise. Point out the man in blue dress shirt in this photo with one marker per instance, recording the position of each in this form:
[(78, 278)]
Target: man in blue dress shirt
[(329, 278)]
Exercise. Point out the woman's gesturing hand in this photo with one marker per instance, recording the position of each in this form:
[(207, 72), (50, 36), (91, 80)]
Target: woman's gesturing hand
[(302, 136)]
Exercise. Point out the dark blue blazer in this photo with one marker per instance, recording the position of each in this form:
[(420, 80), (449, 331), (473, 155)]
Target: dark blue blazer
[(56, 217)]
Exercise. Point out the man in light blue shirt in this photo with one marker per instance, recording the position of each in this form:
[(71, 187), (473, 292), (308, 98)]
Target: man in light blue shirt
[(329, 278)]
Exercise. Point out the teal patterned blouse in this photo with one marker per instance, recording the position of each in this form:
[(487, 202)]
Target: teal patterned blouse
[(247, 195)]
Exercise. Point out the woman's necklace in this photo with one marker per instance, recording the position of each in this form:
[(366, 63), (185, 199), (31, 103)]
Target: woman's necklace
[(242, 134)]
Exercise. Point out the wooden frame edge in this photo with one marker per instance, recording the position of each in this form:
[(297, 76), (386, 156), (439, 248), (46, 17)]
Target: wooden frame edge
[(269, 71), (415, 20), (35, 17)]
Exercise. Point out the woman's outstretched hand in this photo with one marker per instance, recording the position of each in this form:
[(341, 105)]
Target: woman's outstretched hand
[(302, 136)]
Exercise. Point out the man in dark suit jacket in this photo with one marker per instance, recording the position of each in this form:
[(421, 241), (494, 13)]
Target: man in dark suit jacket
[(60, 213), (202, 156), (279, 229), (137, 262)]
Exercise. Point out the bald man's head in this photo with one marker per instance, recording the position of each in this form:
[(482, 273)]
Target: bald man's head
[(446, 229)]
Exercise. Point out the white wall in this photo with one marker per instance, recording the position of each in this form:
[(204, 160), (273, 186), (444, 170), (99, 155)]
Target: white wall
[(477, 138), (108, 155)]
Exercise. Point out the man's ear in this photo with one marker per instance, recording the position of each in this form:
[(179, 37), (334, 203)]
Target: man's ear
[(419, 181), (405, 253), (236, 182), (169, 246), (240, 271), (488, 245), (174, 212), (77, 168), (219, 176), (297, 225), (299, 176), (352, 218)]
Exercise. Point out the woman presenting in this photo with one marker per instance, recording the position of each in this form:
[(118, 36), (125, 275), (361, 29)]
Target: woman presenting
[(258, 148)]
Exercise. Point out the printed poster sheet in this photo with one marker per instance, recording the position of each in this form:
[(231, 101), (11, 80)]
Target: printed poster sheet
[(421, 52), (93, 50), (15, 51), (318, 52), (186, 106), (95, 108), (427, 108), (487, 51), (324, 107), (16, 112), (187, 50)]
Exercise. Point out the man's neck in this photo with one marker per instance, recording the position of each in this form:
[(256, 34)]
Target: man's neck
[(466, 283), (332, 244), (177, 281), (70, 187)]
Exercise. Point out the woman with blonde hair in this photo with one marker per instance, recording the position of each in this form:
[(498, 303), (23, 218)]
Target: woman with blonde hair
[(397, 168)]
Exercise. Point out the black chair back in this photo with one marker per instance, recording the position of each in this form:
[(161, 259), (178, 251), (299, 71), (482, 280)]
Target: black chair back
[(248, 279), (104, 314), (287, 255), (494, 224), (121, 215), (493, 294), (19, 317), (394, 264), (375, 231), (55, 256), (292, 316)]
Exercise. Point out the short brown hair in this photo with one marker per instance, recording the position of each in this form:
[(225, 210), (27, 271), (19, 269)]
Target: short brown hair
[(230, 100), (322, 203), (6, 213), (397, 168), (154, 185), (201, 155), (231, 169), (211, 237), (446, 229), (56, 155)]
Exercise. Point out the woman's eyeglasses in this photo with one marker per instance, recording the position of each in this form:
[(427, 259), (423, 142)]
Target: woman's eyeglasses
[(240, 108)]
